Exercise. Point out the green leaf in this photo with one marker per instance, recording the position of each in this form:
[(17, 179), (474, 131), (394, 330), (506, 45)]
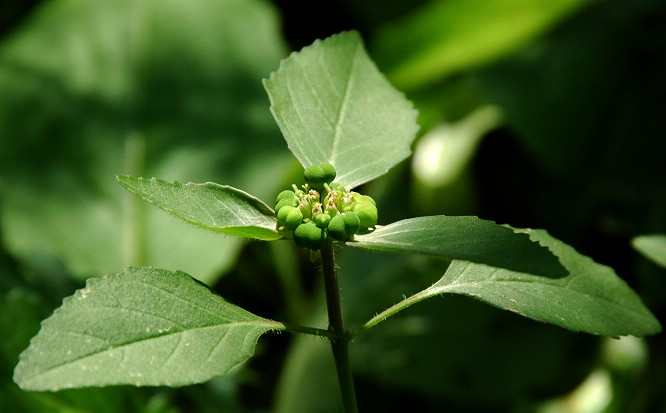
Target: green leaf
[(591, 299), (652, 246), (333, 105), (443, 37), (211, 206), (145, 327), (464, 238), (472, 340)]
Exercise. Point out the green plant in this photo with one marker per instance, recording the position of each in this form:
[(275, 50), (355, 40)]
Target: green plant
[(346, 125)]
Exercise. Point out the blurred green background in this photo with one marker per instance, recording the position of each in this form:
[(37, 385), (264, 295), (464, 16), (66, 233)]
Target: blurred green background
[(536, 114)]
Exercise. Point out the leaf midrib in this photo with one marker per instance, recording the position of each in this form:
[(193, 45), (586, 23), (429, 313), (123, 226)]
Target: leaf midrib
[(437, 290), (344, 104), (269, 325)]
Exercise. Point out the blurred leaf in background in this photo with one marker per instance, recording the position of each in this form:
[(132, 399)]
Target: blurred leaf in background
[(443, 37), (652, 246), (91, 90)]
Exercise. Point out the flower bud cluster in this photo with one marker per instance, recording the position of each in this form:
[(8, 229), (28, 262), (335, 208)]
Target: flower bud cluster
[(322, 209)]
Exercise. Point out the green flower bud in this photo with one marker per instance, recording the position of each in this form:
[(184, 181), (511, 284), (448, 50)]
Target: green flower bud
[(367, 214), (322, 220), (336, 228), (329, 172), (366, 198), (352, 222), (286, 194), (286, 202), (362, 198), (318, 175), (290, 217), (309, 235), (343, 226)]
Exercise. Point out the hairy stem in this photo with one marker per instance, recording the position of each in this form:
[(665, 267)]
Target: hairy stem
[(340, 339), (393, 310), (295, 328)]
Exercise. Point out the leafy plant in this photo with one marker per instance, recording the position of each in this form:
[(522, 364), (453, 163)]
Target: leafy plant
[(347, 126)]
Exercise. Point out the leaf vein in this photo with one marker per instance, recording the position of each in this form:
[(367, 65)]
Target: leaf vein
[(344, 104)]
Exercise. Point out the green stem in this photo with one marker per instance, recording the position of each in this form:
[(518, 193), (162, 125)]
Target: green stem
[(295, 328), (340, 340), (393, 310)]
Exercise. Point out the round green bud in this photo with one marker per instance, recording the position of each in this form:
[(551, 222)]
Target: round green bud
[(322, 220), (352, 222), (356, 197), (343, 226), (318, 175), (367, 214), (286, 194), (366, 198), (329, 172), (290, 217), (336, 228), (309, 235), (286, 202)]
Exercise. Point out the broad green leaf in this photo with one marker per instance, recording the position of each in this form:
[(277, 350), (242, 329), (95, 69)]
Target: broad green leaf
[(166, 88), (464, 238), (476, 346), (333, 105), (211, 206), (652, 246), (426, 351), (591, 299), (145, 327), (443, 37)]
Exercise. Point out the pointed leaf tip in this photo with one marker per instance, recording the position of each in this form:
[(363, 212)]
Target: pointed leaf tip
[(591, 299), (333, 105), (211, 206)]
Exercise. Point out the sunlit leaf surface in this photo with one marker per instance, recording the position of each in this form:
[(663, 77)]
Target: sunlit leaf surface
[(218, 208), (464, 238), (145, 327), (591, 299), (333, 105)]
